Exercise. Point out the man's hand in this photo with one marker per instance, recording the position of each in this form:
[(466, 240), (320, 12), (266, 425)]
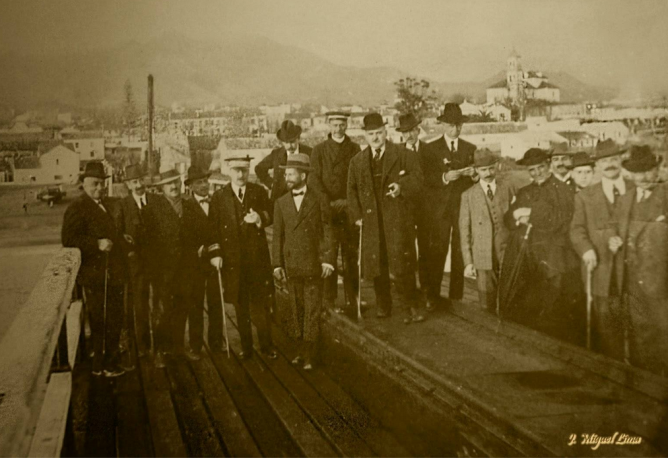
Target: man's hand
[(339, 204), (452, 175), (468, 171), (469, 271), (217, 262), (279, 274), (252, 217), (200, 251), (327, 270), (128, 238), (105, 244), (394, 190), (589, 258), (358, 223), (521, 215), (615, 243)]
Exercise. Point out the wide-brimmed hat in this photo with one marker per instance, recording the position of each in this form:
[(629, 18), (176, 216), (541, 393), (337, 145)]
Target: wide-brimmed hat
[(133, 172), (607, 148), (534, 156), (642, 159), (484, 158), (407, 122), (341, 115), (561, 149), (452, 114), (167, 177), (195, 173), (373, 121), (288, 132), (581, 159), (239, 162), (94, 169), (298, 161)]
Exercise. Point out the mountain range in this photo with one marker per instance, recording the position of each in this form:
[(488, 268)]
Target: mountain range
[(247, 70)]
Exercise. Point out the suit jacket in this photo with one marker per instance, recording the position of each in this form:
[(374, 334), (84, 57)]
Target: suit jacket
[(197, 232), (592, 226), (132, 224), (480, 244), (164, 243), (302, 239), (273, 161), (399, 166), (446, 198), (233, 239), (84, 224), (646, 254)]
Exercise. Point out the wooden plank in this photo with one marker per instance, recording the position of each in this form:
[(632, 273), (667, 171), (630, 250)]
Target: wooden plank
[(165, 432), (199, 434), (133, 433), (50, 430), (73, 324), (226, 418), (100, 439)]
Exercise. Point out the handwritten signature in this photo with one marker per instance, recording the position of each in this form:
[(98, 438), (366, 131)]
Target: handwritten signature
[(595, 441)]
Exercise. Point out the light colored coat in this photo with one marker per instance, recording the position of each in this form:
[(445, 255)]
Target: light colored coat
[(478, 240)]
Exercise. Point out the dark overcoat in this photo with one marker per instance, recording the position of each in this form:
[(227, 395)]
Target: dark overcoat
[(230, 233), (132, 224), (197, 232), (164, 241), (594, 222), (302, 240), (273, 161), (330, 162), (399, 166), (84, 224)]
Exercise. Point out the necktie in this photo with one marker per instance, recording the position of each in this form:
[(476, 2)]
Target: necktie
[(642, 195), (452, 146), (298, 193), (241, 194), (490, 194), (615, 194), (376, 156), (99, 204)]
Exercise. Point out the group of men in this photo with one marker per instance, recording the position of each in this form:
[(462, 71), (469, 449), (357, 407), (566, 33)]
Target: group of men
[(393, 211)]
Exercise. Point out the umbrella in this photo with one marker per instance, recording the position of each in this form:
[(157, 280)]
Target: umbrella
[(516, 271)]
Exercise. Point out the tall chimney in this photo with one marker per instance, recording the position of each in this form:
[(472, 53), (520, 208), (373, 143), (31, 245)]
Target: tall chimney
[(152, 168)]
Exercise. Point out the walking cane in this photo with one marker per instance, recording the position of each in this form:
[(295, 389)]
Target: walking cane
[(359, 276), (104, 304), (590, 299), (222, 301)]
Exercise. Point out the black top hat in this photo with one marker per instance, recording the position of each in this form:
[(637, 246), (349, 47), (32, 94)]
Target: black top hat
[(581, 159), (194, 174), (452, 114), (607, 148), (299, 161), (533, 156), (288, 132), (94, 169), (373, 121), (642, 159), (133, 172), (407, 122)]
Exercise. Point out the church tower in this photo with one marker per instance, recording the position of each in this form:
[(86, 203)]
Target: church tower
[(514, 75)]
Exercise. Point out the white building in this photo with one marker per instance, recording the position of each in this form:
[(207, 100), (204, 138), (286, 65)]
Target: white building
[(515, 145), (59, 165), (522, 84), (89, 149)]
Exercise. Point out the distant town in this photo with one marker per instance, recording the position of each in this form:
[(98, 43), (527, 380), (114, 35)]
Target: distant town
[(51, 147)]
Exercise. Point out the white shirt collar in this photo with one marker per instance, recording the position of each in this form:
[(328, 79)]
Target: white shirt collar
[(564, 179), (236, 188), (449, 141), (296, 151), (299, 190), (642, 194), (336, 140), (139, 199), (484, 185), (373, 150), (608, 184), (415, 147), (200, 198)]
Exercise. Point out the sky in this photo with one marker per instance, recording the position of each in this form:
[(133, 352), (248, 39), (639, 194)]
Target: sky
[(614, 42)]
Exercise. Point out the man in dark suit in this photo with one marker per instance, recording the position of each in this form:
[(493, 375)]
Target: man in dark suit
[(303, 254), (89, 226), (409, 128), (546, 204), (483, 234), (198, 232), (330, 161), (646, 262), (384, 181), (239, 213), (561, 163), (134, 233), (168, 263), (449, 172), (288, 135), (597, 232)]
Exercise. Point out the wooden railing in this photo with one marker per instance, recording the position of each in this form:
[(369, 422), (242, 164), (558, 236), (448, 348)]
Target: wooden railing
[(36, 357)]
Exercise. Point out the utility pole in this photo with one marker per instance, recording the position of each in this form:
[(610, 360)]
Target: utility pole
[(152, 168)]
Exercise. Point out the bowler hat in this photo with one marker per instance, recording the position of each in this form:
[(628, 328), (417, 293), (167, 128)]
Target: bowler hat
[(239, 162), (607, 148), (581, 159), (194, 174), (167, 177), (533, 156), (94, 169), (642, 159), (298, 161), (373, 121), (288, 132), (133, 172), (407, 122), (452, 114), (560, 149), (484, 158)]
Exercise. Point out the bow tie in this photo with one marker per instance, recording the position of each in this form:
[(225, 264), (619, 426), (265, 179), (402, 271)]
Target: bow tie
[(204, 200), (295, 194)]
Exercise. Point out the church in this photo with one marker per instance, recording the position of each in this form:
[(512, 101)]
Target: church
[(522, 85)]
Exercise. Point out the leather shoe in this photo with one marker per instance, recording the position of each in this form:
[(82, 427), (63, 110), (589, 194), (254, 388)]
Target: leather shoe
[(297, 361), (192, 355), (271, 354), (308, 366), (243, 355)]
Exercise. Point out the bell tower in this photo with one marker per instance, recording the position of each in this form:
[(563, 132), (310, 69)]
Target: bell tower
[(514, 74)]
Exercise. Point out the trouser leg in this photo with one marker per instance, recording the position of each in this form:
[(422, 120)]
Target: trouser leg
[(196, 312), (423, 252), (261, 317), (438, 253), (295, 322), (331, 283), (312, 291), (106, 322), (382, 284), (350, 253), (487, 281), (648, 331), (215, 312), (115, 299), (456, 291), (406, 291), (242, 308), (139, 300), (608, 326)]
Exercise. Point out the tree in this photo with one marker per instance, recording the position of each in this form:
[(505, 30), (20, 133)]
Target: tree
[(483, 116), (458, 98), (413, 96)]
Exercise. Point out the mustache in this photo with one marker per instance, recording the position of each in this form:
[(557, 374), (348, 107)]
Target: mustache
[(611, 168)]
